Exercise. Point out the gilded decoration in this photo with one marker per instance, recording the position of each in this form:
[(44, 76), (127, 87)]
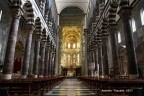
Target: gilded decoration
[(70, 47)]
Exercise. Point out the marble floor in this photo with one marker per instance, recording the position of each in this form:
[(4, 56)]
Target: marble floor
[(70, 87)]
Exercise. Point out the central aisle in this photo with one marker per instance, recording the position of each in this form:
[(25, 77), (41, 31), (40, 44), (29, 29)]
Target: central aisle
[(70, 87)]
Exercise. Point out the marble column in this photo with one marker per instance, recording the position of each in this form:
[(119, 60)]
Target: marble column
[(41, 65), (42, 53), (25, 66), (112, 31), (105, 56), (46, 62), (125, 13), (93, 59), (54, 61), (105, 48), (100, 61), (36, 56), (54, 66), (88, 60), (100, 57), (50, 59), (96, 56), (11, 43), (85, 71), (50, 64)]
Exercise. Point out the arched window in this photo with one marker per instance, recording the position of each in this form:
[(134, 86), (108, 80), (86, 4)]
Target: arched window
[(142, 16), (69, 45), (74, 45), (133, 25), (0, 15), (119, 37)]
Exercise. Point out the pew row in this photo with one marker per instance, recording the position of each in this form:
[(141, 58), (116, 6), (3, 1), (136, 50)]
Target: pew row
[(116, 86), (29, 87)]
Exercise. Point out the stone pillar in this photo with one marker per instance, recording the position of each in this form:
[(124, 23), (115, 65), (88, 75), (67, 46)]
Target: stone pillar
[(50, 59), (112, 31), (11, 43), (88, 60), (36, 58), (42, 52), (100, 57), (96, 56), (125, 13), (50, 64), (46, 62), (25, 66), (96, 61), (86, 56), (87, 53), (54, 61), (100, 61), (31, 61), (41, 64), (54, 66), (37, 49), (105, 56), (105, 48), (92, 59)]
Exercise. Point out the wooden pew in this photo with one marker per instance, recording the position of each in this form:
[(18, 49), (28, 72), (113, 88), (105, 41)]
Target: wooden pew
[(29, 87), (3, 92), (114, 85)]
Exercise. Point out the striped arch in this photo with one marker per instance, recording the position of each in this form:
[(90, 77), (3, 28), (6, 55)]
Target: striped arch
[(124, 3), (112, 12), (29, 12), (16, 2), (38, 26), (104, 27), (44, 35), (48, 41)]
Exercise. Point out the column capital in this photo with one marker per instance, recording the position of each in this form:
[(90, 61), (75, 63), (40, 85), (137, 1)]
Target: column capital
[(112, 27), (16, 12), (125, 12), (30, 28), (38, 37)]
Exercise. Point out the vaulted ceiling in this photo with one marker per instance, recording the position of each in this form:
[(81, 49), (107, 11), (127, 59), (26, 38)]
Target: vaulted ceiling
[(82, 4), (72, 16)]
